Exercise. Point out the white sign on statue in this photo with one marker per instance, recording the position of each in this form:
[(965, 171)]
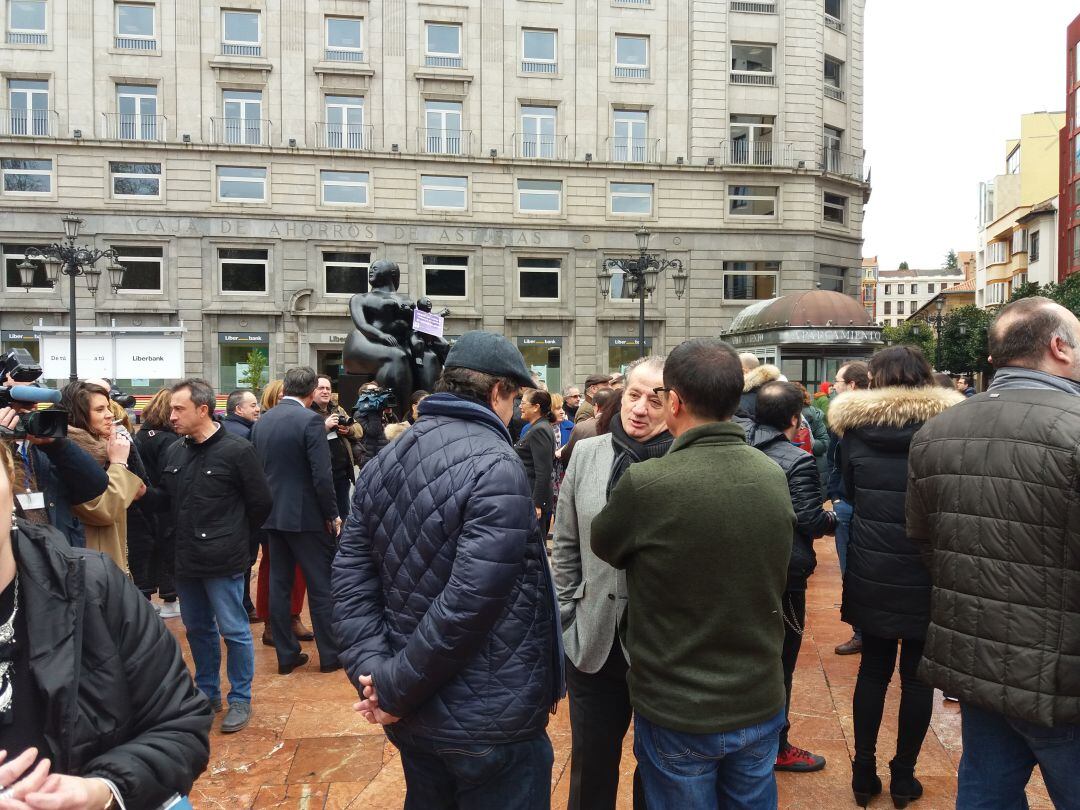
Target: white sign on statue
[(428, 323)]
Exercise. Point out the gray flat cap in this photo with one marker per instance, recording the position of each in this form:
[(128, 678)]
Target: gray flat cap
[(492, 354)]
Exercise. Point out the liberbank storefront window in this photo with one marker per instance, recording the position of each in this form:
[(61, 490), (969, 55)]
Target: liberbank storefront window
[(138, 360), (234, 359), (543, 356), (622, 351)]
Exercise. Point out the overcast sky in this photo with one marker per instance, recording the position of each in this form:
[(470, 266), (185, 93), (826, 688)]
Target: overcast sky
[(946, 83)]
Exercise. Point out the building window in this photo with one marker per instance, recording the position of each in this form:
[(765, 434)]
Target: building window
[(26, 23), (135, 27), (834, 8), (888, 307), (242, 121), (22, 176), (538, 279), (1019, 240), (136, 107), (344, 188), (899, 289), (13, 256), (344, 122), (29, 103), (752, 63), (240, 33), (344, 39), (835, 208), (888, 289), (442, 45), (995, 293), (899, 307), (914, 307), (540, 196), (631, 57), (446, 276), (834, 70), (630, 143), (538, 51), (241, 183), (1033, 247), (443, 134), (914, 289), (752, 201), (832, 277), (632, 198), (752, 139), (930, 288), (143, 268), (345, 273), (750, 281), (243, 271), (537, 137), (441, 191), (142, 180), (1012, 163), (834, 143)]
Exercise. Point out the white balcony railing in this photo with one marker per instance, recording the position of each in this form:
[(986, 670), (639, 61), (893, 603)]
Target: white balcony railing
[(530, 66), (759, 153), (542, 147), (753, 77), (343, 136), (338, 55), (443, 61), (755, 7), (128, 127), (834, 23), (29, 123), (21, 38), (847, 165), (229, 49), (443, 141), (623, 72), (245, 131), (834, 92), (633, 150), (135, 44)]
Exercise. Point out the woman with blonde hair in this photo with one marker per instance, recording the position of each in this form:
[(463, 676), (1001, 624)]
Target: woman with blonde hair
[(272, 394)]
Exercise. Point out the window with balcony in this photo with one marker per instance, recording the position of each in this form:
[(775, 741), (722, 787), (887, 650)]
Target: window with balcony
[(136, 114), (444, 192), (752, 140), (834, 208), (344, 39), (631, 57), (241, 183), (442, 46), (631, 137), (539, 51), (900, 308), (750, 281), (241, 34), (537, 136), (1033, 247), (242, 122), (752, 63), (539, 196), (834, 14), (22, 176), (29, 112), (834, 144), (834, 77), (140, 180), (832, 277), (446, 276), (752, 201), (632, 198), (345, 273), (243, 271), (344, 126), (344, 188), (888, 307), (135, 27), (443, 134), (13, 257), (26, 22), (538, 278), (144, 266)]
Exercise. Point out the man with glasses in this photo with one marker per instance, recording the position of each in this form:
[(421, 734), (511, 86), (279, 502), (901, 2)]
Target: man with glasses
[(571, 401)]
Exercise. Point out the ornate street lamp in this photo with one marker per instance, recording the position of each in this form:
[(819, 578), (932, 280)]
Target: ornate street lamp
[(66, 258), (640, 274)]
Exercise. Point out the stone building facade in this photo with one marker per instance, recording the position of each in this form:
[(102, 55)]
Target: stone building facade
[(249, 158)]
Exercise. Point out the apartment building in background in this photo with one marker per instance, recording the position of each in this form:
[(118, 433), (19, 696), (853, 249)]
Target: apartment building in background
[(901, 293), (868, 286), (249, 159)]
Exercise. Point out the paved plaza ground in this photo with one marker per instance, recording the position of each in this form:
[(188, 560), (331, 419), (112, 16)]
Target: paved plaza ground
[(306, 748)]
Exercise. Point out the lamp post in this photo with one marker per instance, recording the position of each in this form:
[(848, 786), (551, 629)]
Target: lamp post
[(67, 258), (640, 274), (937, 322)]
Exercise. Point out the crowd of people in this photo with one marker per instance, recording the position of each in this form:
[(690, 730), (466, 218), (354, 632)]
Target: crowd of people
[(642, 545)]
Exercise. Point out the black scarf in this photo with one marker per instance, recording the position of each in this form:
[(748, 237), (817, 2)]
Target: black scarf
[(629, 450)]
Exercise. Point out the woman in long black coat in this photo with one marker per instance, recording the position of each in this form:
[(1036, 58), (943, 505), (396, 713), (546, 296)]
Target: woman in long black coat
[(536, 449), (886, 584)]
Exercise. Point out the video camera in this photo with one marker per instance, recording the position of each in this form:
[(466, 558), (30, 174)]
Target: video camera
[(121, 399), (51, 424), (375, 400)]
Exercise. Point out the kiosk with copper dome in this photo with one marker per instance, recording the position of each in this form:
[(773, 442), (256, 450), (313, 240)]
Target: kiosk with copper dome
[(809, 335)]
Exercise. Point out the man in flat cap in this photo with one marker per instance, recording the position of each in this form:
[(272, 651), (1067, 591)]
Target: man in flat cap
[(443, 600), (593, 383)]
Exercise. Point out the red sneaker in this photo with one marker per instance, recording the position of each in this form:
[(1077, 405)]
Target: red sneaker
[(797, 760)]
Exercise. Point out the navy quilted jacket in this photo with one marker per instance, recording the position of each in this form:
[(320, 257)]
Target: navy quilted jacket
[(441, 587)]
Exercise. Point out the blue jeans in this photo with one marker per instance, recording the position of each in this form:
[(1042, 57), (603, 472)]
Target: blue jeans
[(213, 608), (731, 769), (476, 776), (1000, 754), (844, 512)]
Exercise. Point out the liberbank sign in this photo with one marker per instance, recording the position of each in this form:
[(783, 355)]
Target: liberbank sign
[(863, 337), (117, 355)]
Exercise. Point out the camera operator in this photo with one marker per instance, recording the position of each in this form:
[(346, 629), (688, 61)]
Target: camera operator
[(341, 432), (374, 410)]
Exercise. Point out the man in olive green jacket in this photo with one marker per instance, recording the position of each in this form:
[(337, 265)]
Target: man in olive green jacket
[(705, 537)]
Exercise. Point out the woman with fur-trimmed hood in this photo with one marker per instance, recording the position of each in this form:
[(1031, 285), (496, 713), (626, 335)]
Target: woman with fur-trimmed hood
[(753, 380), (886, 584)]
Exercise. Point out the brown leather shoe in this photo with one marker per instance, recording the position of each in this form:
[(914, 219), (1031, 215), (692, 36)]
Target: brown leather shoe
[(850, 647), (268, 637), (302, 633)]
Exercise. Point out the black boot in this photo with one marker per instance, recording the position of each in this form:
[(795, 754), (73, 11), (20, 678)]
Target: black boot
[(865, 783), (903, 786)]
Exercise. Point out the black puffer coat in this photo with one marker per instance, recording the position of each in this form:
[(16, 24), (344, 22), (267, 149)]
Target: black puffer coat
[(119, 701), (886, 584), (441, 586)]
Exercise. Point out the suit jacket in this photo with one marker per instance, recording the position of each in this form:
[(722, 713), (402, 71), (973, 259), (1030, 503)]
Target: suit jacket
[(592, 594), (290, 441)]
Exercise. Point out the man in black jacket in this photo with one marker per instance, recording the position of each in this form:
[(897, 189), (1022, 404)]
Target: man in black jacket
[(339, 439), (290, 440), (241, 413), (218, 496), (777, 420)]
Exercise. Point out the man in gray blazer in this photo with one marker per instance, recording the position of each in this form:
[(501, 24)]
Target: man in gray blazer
[(592, 594)]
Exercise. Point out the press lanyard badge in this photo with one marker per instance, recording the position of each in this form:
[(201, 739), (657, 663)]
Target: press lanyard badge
[(29, 501)]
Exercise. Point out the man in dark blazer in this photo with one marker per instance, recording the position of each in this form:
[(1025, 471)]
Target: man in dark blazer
[(290, 440)]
